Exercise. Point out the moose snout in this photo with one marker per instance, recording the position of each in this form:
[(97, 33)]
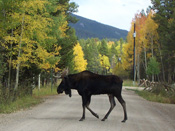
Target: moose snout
[(59, 91)]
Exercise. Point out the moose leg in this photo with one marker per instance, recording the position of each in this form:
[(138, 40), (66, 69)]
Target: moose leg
[(112, 102), (83, 116), (84, 101), (87, 106), (122, 102)]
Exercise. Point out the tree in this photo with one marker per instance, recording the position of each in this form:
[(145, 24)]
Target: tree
[(92, 56), (153, 67), (66, 51), (3, 68), (79, 61), (165, 19), (151, 31), (67, 43), (104, 48), (104, 60), (113, 56), (113, 50), (121, 45), (30, 36), (146, 41), (25, 23)]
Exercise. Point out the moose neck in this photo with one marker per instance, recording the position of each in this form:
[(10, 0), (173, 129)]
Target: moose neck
[(72, 80)]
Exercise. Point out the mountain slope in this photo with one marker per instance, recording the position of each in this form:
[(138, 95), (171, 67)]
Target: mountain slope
[(86, 28)]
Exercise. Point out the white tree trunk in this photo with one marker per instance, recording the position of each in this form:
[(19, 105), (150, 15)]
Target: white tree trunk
[(19, 54), (152, 48), (138, 68), (39, 80)]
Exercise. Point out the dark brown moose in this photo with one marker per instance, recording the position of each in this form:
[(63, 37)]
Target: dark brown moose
[(88, 84)]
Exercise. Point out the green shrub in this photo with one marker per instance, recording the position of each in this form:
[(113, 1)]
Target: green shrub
[(25, 101), (161, 97)]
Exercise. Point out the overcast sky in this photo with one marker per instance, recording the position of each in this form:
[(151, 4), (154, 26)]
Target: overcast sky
[(117, 13)]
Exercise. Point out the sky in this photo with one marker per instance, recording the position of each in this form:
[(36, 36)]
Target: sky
[(117, 13)]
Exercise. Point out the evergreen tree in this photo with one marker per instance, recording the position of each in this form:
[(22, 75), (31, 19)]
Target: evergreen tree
[(113, 56), (165, 18), (153, 67), (113, 50), (66, 51), (104, 48), (70, 40), (121, 45), (92, 56)]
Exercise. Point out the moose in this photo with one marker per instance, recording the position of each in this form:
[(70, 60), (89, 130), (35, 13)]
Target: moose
[(88, 84)]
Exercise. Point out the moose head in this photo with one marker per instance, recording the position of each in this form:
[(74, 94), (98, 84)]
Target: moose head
[(65, 84)]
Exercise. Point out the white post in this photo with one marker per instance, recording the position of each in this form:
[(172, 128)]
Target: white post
[(39, 81)]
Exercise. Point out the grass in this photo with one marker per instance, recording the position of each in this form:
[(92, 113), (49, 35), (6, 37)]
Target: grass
[(44, 92), (27, 101), (161, 96), (156, 97), (129, 83), (22, 103)]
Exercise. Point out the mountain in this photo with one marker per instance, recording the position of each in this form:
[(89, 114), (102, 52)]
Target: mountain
[(86, 28)]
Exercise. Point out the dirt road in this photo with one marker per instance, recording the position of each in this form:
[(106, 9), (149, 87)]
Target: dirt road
[(61, 113)]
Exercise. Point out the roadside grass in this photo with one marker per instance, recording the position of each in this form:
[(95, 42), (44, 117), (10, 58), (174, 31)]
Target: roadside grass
[(129, 83), (20, 103), (27, 101), (44, 91), (161, 98)]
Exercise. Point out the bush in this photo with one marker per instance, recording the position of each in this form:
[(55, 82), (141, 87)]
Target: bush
[(153, 67), (24, 100), (158, 93), (121, 72)]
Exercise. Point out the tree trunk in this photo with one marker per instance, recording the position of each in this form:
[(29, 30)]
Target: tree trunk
[(163, 71), (10, 65), (39, 76), (146, 65), (138, 68), (153, 78), (169, 72), (18, 64), (152, 50)]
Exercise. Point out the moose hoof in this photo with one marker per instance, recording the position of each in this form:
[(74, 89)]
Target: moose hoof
[(103, 119), (81, 119), (123, 121), (96, 116)]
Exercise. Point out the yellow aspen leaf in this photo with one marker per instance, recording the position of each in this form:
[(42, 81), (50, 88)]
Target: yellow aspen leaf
[(80, 62)]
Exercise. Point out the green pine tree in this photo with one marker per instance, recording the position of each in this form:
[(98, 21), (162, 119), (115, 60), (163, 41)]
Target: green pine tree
[(92, 56), (153, 68), (165, 18), (104, 48)]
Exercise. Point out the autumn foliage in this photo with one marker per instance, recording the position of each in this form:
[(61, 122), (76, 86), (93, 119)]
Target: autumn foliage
[(80, 62), (30, 35)]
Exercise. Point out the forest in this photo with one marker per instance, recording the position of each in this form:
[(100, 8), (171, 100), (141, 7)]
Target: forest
[(36, 42)]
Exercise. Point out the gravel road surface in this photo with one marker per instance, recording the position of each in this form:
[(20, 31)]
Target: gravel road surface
[(61, 113)]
